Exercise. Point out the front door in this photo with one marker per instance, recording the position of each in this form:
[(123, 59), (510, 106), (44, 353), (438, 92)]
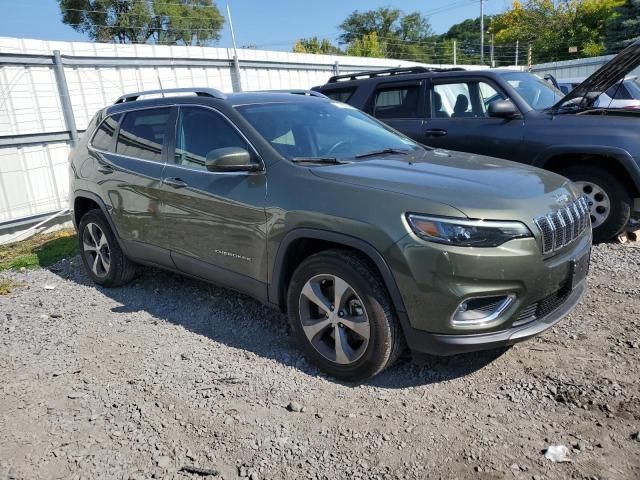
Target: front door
[(216, 221), (459, 120)]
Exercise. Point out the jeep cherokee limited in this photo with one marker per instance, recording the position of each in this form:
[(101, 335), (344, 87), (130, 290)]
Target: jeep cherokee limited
[(517, 116), (368, 240)]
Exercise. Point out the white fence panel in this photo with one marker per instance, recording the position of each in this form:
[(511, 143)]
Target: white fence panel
[(34, 137)]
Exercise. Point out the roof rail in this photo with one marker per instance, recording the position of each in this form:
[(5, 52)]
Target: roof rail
[(311, 93), (201, 92), (390, 72)]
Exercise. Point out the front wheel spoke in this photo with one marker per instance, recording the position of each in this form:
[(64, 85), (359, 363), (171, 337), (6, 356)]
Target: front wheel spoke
[(340, 289), (315, 328), (313, 293), (105, 263), (92, 233), (103, 240), (88, 247), (360, 325), (94, 266), (342, 348)]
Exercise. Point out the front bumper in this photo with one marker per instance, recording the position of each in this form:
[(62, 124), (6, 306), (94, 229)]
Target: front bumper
[(434, 279), (442, 344)]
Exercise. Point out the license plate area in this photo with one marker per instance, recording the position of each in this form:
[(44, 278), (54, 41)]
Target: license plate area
[(579, 269)]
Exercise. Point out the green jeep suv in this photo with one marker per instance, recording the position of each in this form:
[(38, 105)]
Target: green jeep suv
[(369, 241)]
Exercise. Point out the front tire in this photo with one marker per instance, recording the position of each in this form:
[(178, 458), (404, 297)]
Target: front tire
[(103, 259), (609, 200), (342, 317)]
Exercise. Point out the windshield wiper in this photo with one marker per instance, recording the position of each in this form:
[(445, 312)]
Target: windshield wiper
[(384, 151), (324, 160)]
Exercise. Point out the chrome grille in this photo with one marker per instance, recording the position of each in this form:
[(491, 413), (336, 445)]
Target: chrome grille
[(562, 227)]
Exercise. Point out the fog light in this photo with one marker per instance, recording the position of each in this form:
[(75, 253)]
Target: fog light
[(481, 310)]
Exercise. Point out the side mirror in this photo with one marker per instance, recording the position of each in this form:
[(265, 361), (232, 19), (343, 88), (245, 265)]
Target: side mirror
[(503, 109), (230, 159)]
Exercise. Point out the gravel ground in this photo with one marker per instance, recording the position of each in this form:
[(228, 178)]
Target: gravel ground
[(168, 374)]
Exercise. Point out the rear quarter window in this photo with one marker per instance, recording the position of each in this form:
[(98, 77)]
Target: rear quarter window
[(103, 137), (340, 95), (396, 102)]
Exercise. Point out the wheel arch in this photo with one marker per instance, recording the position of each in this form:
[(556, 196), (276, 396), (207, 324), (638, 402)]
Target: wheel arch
[(83, 201), (615, 160), (301, 243)]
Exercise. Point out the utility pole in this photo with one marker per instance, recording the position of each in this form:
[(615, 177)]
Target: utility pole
[(517, 51), (455, 52), (236, 63), (493, 61), (482, 32)]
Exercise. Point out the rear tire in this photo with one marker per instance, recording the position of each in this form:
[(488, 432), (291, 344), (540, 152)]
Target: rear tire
[(352, 296), (102, 257), (610, 202)]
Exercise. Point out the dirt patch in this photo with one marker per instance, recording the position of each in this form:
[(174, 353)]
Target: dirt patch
[(168, 373)]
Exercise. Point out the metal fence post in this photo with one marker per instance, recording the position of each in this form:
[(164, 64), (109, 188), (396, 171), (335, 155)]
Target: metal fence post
[(336, 68), (65, 99), (237, 80)]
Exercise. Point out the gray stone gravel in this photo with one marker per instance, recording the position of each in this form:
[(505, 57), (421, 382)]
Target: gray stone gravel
[(169, 376)]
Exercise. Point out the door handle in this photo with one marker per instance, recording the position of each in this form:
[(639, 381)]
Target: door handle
[(174, 182), (435, 132), (106, 169)]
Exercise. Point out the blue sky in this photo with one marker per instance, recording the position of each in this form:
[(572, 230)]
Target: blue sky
[(269, 24)]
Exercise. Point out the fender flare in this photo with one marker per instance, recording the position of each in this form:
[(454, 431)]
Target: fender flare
[(276, 284), (105, 211), (624, 159)]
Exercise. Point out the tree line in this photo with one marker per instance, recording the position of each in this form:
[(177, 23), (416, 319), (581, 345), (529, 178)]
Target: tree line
[(555, 29)]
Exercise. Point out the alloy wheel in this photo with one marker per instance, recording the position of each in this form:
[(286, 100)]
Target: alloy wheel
[(334, 319), (95, 248), (598, 200)]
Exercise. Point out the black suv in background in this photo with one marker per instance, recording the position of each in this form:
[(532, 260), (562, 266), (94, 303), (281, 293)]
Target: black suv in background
[(517, 116)]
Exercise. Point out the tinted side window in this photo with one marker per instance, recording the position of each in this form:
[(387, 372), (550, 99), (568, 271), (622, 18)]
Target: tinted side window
[(142, 134), (463, 99), (201, 130), (397, 102), (340, 95), (103, 138)]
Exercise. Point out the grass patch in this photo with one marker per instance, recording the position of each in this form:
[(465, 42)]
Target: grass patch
[(7, 286), (39, 251)]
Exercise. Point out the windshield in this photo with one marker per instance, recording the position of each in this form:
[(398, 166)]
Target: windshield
[(538, 93), (317, 129), (633, 85)]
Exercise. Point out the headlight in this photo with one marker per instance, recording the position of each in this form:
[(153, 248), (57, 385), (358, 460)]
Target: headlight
[(466, 233)]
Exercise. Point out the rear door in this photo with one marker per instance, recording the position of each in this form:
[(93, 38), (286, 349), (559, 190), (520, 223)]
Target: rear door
[(459, 119), (130, 174), (215, 222), (400, 105)]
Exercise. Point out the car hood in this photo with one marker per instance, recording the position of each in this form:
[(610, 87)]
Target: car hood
[(479, 187), (606, 76)]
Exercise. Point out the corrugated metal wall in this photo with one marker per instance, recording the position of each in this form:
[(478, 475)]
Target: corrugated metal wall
[(574, 69), (33, 169)]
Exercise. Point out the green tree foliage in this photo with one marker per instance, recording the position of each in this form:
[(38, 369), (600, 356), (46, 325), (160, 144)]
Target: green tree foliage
[(366, 46), (553, 27), (315, 45), (188, 22), (624, 27), (396, 35), (467, 37)]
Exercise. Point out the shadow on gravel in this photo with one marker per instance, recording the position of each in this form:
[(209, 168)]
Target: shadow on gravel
[(240, 322)]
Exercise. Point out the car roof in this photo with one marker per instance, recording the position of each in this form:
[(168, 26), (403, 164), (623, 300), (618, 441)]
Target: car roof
[(414, 76), (230, 99)]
